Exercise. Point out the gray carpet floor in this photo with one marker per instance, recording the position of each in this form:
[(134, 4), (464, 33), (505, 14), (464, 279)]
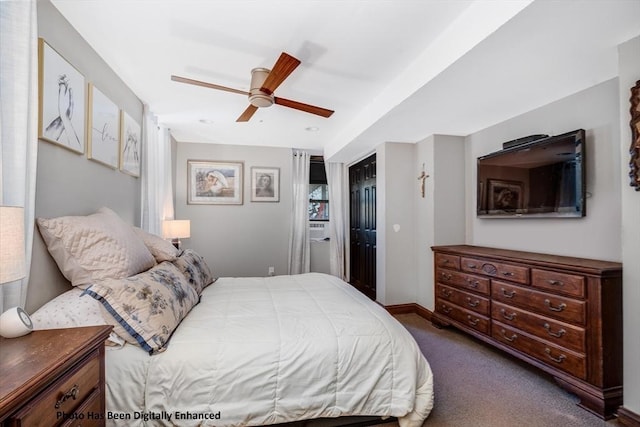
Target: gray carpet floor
[(476, 385)]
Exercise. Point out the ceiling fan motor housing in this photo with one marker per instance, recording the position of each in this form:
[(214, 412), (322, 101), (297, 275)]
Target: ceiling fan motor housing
[(258, 98)]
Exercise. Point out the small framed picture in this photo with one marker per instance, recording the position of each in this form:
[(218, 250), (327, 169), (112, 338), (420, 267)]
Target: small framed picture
[(265, 184), (505, 195), (130, 145), (214, 182), (62, 100), (104, 128)]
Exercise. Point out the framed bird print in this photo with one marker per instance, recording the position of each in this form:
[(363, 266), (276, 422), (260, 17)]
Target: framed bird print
[(214, 183), (130, 145)]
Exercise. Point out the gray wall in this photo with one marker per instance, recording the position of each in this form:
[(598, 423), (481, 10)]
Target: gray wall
[(68, 183), (596, 111), (629, 71), (238, 240)]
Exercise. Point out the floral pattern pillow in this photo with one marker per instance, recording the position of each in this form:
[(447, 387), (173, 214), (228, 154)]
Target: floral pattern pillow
[(195, 269), (146, 308)]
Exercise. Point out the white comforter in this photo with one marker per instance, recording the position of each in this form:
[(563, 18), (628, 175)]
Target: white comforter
[(259, 351)]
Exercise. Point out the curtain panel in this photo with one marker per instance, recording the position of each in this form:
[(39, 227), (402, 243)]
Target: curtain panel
[(157, 189), (299, 247), (18, 125), (337, 217)]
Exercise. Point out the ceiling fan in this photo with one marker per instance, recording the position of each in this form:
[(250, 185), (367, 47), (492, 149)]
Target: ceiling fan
[(263, 83)]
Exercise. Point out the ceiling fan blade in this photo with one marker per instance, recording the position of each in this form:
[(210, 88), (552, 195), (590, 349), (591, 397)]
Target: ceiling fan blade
[(280, 71), (247, 114), (303, 107), (209, 85)]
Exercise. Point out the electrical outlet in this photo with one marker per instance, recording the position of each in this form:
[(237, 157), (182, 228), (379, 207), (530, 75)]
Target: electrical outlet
[(272, 271)]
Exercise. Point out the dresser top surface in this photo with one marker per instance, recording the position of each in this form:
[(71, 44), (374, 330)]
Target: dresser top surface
[(539, 259)]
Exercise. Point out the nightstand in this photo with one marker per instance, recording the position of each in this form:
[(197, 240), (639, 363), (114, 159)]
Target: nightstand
[(53, 378)]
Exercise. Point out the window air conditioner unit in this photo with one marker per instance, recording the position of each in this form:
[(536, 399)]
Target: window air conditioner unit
[(318, 230)]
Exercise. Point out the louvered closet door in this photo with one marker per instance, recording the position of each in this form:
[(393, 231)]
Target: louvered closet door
[(362, 224)]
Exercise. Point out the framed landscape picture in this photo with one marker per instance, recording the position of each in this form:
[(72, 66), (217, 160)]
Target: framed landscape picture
[(265, 184), (62, 100), (214, 182), (104, 128), (130, 145)]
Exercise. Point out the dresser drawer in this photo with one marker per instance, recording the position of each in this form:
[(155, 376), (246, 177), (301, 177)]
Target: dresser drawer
[(463, 280), (568, 284), (448, 261), (560, 333), (514, 273), (558, 357), (464, 299), (63, 396), (466, 317), (561, 308)]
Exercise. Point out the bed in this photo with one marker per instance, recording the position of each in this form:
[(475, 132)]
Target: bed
[(189, 350)]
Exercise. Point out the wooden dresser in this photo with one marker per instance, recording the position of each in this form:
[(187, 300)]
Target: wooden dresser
[(560, 314), (53, 378)]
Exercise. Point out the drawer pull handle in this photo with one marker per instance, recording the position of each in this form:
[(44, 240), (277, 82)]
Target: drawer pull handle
[(552, 308), (473, 322), (555, 282), (71, 394), (445, 261), (512, 338), (446, 292), (508, 294), (510, 316), (472, 303), (558, 334), (446, 276), (472, 266), (507, 273), (473, 283), (446, 309), (558, 359)]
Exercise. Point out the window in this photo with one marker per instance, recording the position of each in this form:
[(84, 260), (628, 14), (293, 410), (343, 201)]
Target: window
[(318, 190)]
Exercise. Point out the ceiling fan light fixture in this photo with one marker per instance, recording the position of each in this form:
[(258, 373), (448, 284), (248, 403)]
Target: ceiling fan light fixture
[(258, 98)]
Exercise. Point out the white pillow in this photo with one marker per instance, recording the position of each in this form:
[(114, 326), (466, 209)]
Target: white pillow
[(161, 249), (72, 310), (94, 247)]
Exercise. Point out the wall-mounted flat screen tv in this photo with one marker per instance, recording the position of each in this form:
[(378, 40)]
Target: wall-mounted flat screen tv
[(541, 178)]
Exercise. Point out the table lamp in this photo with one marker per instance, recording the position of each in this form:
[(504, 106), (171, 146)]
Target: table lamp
[(175, 230), (14, 322)]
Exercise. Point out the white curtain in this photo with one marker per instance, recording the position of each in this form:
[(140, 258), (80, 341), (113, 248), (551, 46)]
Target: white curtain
[(338, 215), (299, 248), (18, 125), (157, 190)]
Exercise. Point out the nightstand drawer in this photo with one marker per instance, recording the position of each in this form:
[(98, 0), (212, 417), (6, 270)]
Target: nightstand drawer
[(90, 414), (62, 397)]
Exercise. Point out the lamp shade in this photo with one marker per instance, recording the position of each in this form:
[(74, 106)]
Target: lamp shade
[(176, 229), (12, 256)]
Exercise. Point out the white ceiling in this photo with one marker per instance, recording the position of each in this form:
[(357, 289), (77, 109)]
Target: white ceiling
[(393, 70)]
